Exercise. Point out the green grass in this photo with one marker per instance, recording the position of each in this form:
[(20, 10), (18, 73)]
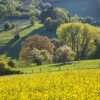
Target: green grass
[(11, 47), (77, 65)]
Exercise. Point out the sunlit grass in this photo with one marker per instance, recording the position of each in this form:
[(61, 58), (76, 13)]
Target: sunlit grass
[(77, 65)]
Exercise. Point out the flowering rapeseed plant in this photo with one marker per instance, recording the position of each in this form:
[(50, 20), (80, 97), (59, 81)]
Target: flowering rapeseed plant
[(65, 85)]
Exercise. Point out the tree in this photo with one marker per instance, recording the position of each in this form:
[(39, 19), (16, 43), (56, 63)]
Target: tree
[(38, 42), (78, 36), (64, 54), (7, 25), (51, 24), (3, 11), (21, 8), (55, 13), (75, 18), (35, 57), (44, 6), (54, 17), (88, 20), (39, 56), (32, 20), (10, 9), (95, 52)]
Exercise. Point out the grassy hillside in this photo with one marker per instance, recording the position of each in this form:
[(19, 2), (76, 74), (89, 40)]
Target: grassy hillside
[(77, 65), (19, 8), (11, 47)]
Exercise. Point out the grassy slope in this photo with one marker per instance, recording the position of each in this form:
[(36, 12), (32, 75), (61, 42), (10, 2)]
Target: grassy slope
[(11, 47), (85, 64)]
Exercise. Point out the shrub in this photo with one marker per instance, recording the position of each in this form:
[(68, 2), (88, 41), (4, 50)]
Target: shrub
[(13, 25), (7, 25), (51, 24), (16, 37), (4, 70), (2, 65), (32, 20), (39, 56), (11, 64), (64, 54)]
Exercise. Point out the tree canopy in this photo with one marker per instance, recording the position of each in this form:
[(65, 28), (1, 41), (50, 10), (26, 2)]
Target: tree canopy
[(80, 37), (38, 42), (55, 13), (21, 8)]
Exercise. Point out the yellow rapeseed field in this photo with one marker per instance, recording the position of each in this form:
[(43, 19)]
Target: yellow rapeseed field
[(64, 85)]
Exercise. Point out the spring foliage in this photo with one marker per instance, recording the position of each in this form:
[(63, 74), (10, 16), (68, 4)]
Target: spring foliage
[(38, 42), (80, 37), (64, 54)]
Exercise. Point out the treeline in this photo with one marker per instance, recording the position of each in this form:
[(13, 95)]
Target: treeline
[(76, 39), (21, 8), (52, 0)]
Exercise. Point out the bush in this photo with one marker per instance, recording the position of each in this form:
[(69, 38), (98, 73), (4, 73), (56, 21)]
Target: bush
[(32, 20), (39, 56), (51, 24), (4, 70), (13, 25), (2, 65), (7, 25), (16, 37), (64, 54), (11, 64)]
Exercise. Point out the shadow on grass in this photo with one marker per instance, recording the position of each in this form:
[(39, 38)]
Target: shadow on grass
[(43, 32), (7, 46), (1, 30), (61, 64), (57, 65), (6, 30), (26, 27), (12, 49)]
